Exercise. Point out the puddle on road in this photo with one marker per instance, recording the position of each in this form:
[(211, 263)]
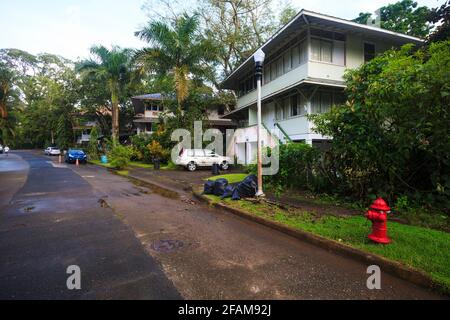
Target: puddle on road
[(28, 209), (155, 189), (103, 203), (166, 246)]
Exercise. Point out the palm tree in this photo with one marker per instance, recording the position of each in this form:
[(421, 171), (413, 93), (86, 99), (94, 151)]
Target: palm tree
[(177, 49), (114, 68)]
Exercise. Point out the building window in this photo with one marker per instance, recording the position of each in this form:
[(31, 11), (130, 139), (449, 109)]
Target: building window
[(221, 110), (369, 52), (279, 67), (295, 107), (266, 74), (154, 108), (322, 50), (289, 57), (247, 85), (324, 100), (287, 61), (295, 56), (273, 71)]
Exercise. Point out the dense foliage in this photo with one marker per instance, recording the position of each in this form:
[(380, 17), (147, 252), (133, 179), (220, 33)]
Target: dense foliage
[(392, 136), (404, 16), (119, 156), (299, 168)]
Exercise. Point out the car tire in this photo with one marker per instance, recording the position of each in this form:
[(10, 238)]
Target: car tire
[(225, 166), (192, 166)]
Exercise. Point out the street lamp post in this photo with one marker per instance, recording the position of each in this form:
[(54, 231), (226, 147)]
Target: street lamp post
[(259, 61)]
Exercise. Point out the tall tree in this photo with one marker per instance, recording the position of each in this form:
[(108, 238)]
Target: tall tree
[(43, 86), (113, 68), (287, 13), (6, 93), (6, 78), (441, 17), (237, 28), (177, 50), (404, 16)]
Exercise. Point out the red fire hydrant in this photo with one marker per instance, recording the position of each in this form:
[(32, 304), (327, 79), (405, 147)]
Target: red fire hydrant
[(377, 213)]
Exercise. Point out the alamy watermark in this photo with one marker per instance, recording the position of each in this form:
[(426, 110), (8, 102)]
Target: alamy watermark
[(74, 280), (215, 138), (374, 280)]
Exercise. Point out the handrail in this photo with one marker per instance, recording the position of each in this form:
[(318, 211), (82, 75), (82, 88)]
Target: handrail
[(271, 133), (284, 132)]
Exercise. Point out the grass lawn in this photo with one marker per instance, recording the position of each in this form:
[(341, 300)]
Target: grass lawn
[(139, 164), (124, 173), (136, 164), (417, 247), (232, 177), (99, 163)]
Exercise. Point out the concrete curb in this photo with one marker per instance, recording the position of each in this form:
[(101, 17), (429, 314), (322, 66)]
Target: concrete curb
[(392, 267)]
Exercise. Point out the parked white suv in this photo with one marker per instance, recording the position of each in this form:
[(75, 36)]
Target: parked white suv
[(52, 151), (191, 159)]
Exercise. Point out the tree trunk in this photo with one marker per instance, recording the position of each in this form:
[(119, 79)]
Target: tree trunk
[(115, 116), (3, 111)]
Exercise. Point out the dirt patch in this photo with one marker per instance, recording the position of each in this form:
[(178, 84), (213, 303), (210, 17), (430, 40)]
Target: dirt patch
[(154, 189), (310, 206)]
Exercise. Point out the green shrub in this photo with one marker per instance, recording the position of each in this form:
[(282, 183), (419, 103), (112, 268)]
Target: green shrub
[(93, 147), (157, 152), (298, 168), (119, 156), (141, 152), (391, 137)]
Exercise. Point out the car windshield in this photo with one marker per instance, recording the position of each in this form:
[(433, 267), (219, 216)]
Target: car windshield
[(77, 152)]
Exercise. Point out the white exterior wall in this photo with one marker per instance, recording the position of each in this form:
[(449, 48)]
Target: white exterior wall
[(348, 55), (151, 114), (354, 57), (244, 144)]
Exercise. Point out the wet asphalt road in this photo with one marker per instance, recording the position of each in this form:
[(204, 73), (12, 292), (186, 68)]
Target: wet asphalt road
[(55, 221)]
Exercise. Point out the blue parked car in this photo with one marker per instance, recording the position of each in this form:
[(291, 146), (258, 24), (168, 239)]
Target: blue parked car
[(73, 155)]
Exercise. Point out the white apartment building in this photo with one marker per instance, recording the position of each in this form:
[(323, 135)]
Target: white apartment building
[(303, 74)]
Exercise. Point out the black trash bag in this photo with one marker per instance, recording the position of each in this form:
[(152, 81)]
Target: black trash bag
[(228, 193), (246, 189), (208, 187), (220, 186)]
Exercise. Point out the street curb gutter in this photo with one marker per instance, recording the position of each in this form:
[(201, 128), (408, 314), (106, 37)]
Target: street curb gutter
[(394, 268)]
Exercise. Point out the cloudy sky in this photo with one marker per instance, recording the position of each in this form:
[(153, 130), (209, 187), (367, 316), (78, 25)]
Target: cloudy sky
[(70, 27)]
